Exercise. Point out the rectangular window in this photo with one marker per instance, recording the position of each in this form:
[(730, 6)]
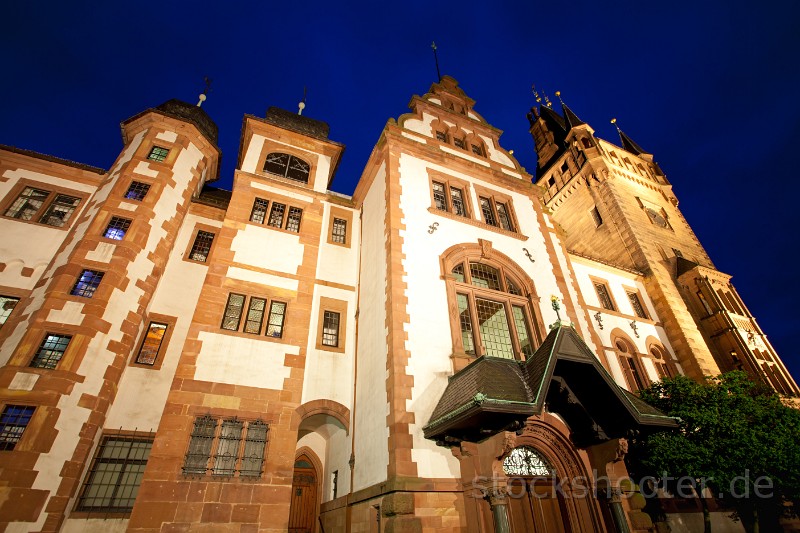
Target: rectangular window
[(523, 333), (58, 213), (7, 304), (457, 201), (638, 308), (467, 337), (158, 154), (259, 211), (230, 435), (277, 313), (228, 453), (50, 351), (201, 246), (598, 220), (293, 220), (13, 421), (335, 483), (255, 315), (441, 136), (604, 296), (330, 329), (705, 303), (276, 215), (151, 344), (116, 229), (112, 483), (233, 312), (460, 143), (502, 214), (439, 199), (27, 203), (488, 212), (494, 329), (87, 283), (339, 232), (137, 191), (477, 150)]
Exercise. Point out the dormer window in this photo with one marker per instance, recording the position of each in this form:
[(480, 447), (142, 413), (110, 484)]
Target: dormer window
[(287, 166), (442, 136), (459, 143), (478, 150)]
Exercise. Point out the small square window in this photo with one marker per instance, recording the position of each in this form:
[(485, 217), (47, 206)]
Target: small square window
[(259, 211), (7, 304), (137, 191), (201, 246), (116, 229), (339, 232), (152, 343), (13, 421), (50, 351), (87, 283), (330, 329), (158, 153)]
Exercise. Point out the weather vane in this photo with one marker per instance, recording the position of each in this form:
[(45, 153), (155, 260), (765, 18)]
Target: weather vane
[(302, 104), (436, 57)]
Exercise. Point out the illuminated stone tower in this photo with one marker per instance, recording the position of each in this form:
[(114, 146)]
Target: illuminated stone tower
[(616, 206)]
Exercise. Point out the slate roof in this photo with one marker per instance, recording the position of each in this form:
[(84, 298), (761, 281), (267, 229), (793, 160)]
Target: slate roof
[(570, 119), (493, 394), (297, 123), (214, 197), (629, 145)]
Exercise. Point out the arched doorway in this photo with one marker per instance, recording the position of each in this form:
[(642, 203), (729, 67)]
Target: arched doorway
[(303, 512), (535, 501)]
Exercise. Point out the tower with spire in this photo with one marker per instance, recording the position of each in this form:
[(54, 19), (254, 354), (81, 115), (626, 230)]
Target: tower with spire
[(616, 206)]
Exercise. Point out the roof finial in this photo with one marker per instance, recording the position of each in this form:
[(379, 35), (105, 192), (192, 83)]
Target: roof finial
[(614, 122), (302, 104), (536, 94), (547, 101), (558, 94), (436, 57), (206, 90)]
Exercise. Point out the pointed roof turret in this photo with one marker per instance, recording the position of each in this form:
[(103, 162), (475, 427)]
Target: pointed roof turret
[(570, 118), (628, 143)]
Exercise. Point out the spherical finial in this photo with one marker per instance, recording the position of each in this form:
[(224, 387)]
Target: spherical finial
[(301, 105), (613, 121), (202, 98), (558, 93)]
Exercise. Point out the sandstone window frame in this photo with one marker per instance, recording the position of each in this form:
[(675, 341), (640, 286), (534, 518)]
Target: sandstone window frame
[(51, 351), (630, 362), (634, 296), (449, 183), (347, 216), (14, 420), (193, 240), (495, 199), (287, 165), (116, 225), (154, 318), (53, 193), (332, 305), (88, 283), (121, 475), (266, 321), (213, 438), (7, 308), (610, 304), (158, 153), (137, 190), (662, 361)]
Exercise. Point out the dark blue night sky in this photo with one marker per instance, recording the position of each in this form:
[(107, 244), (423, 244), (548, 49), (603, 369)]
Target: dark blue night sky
[(710, 88)]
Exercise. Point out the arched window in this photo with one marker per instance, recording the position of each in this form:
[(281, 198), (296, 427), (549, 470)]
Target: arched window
[(629, 360), (287, 166), (495, 315), (660, 361), (527, 461)]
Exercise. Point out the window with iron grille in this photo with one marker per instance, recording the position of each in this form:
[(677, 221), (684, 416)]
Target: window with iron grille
[(276, 215), (50, 351), (87, 283), (151, 344), (116, 229), (287, 166), (56, 209), (13, 421), (113, 481), (636, 303), (226, 447), (259, 212), (158, 153), (277, 313), (339, 231), (293, 220), (137, 191), (330, 329), (233, 311), (604, 296), (201, 246), (7, 304)]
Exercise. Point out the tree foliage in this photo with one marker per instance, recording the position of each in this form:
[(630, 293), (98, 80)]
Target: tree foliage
[(735, 436)]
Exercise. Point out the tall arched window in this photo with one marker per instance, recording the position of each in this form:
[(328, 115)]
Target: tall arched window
[(494, 312), (287, 166), (631, 366), (660, 361)]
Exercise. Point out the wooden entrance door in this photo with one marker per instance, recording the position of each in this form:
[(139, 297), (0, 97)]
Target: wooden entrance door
[(535, 505), (303, 512)]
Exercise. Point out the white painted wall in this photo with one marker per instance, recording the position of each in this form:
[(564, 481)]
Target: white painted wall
[(266, 248), (372, 433)]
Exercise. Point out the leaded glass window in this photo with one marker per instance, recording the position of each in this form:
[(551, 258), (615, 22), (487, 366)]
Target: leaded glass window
[(27, 203), (339, 231), (201, 246), (158, 153), (457, 200), (276, 215), (259, 212), (293, 220), (467, 338), (523, 333), (488, 212), (233, 312), (151, 343), (505, 219), (439, 199), (287, 166), (485, 276), (59, 212), (113, 481), (277, 313), (13, 421), (494, 328), (137, 191), (50, 351), (116, 229), (527, 461), (87, 283), (330, 328), (7, 304), (255, 315)]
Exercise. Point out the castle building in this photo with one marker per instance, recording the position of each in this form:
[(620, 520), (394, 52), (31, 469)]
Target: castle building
[(437, 352)]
